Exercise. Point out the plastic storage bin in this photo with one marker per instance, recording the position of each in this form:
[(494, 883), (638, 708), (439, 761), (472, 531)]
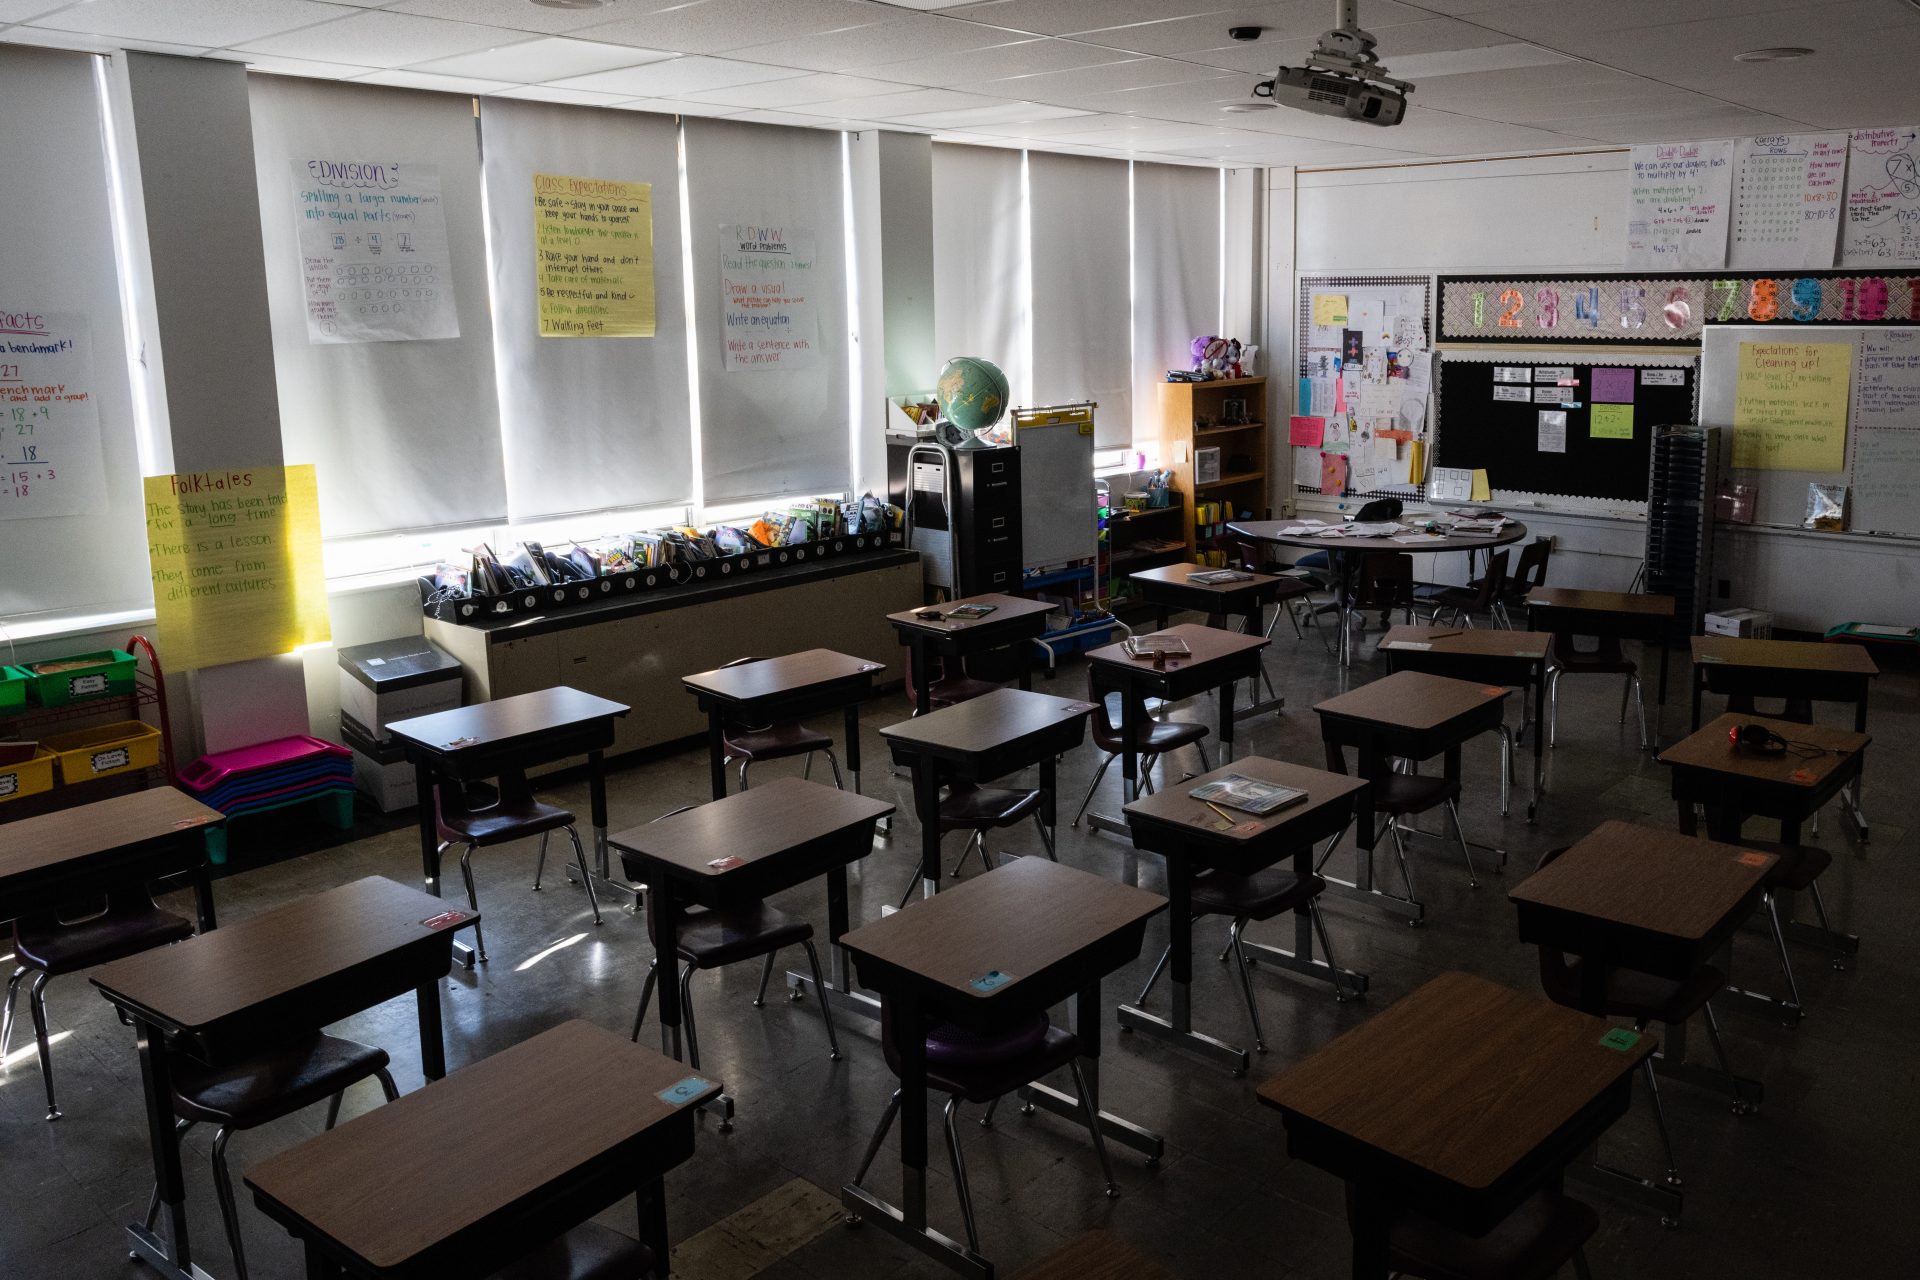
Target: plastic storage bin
[(105, 750), (109, 671), (27, 777), (13, 689)]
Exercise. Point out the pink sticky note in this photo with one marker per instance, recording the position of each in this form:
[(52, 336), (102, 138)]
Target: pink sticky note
[(1309, 432), (1333, 474), (1613, 386), (1340, 394)]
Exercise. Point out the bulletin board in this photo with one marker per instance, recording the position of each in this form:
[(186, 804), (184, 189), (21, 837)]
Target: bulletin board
[(1416, 336), (1610, 404)]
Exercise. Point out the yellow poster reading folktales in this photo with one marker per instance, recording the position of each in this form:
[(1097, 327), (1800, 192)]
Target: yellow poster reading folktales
[(1790, 406), (236, 564), (593, 257)]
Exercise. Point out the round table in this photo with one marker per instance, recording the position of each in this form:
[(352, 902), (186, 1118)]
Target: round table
[(1343, 552)]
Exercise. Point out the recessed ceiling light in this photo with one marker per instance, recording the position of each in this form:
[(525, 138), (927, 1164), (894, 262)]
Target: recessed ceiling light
[(1786, 53), (571, 4), (1249, 106)]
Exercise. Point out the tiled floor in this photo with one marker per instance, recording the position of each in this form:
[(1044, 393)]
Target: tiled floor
[(1820, 1182)]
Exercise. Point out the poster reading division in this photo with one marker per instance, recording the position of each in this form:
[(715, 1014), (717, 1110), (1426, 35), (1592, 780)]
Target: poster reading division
[(768, 311), (50, 458), (373, 251), (593, 257), (236, 564)]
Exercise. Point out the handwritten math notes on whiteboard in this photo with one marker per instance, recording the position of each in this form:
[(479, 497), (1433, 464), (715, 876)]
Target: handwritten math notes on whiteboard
[(373, 251), (1788, 200), (1883, 198), (1678, 205), (50, 458)]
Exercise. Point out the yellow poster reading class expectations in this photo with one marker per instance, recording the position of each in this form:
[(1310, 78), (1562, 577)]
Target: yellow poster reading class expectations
[(1790, 406), (236, 564), (593, 257)]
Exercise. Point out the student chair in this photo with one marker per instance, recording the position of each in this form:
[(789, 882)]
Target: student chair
[(514, 815), (969, 1066), (1157, 739), (967, 807), (1798, 871), (1320, 563), (1529, 573), (1398, 796), (752, 743), (258, 1090), (1462, 603), (949, 688), (1544, 1233), (1246, 557), (50, 944), (1384, 582), (1605, 659)]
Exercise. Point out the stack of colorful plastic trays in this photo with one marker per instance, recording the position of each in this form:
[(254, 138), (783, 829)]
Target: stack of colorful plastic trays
[(272, 775)]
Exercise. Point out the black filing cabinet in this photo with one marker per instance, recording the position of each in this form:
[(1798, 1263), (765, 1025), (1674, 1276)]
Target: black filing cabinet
[(963, 512)]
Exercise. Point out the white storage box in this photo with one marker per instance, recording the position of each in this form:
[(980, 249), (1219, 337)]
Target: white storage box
[(396, 680), (1748, 624)]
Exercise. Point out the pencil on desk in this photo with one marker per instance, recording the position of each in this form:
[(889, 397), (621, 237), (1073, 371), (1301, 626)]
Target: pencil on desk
[(1217, 809)]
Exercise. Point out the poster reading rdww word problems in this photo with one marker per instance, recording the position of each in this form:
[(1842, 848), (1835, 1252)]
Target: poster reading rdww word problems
[(50, 459), (373, 251), (593, 257), (767, 307)]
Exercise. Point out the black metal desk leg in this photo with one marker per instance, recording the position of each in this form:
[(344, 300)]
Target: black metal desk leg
[(852, 722), (433, 1044), (429, 827), (917, 653), (1666, 651), (1226, 721), (1699, 690), (597, 807), (1048, 814), (319, 1265), (170, 1251), (663, 911), (926, 805), (651, 1200), (1177, 1028), (203, 897), (716, 752)]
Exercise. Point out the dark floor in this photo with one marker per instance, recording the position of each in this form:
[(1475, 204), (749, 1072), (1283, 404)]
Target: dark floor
[(1820, 1182)]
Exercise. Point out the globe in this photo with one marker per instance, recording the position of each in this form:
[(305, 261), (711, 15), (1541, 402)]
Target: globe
[(972, 392)]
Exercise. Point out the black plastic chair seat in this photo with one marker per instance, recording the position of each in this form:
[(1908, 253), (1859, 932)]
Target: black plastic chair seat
[(952, 690), (1605, 660), (245, 1094), (56, 948), (1400, 794), (1531, 1243), (979, 808), (588, 1252), (981, 1068), (774, 742), (1161, 736), (1799, 866), (1260, 896), (714, 939), (1645, 996), (508, 820)]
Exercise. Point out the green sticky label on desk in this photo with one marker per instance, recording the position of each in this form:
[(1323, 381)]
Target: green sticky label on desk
[(686, 1091), (992, 980), (1621, 1039)]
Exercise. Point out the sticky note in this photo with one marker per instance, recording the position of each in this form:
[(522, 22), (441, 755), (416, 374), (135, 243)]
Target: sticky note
[(1333, 474), (991, 980), (1306, 432), (1621, 1039), (686, 1091), (1802, 776), (1613, 386), (1417, 462), (1753, 859), (1482, 488), (1611, 422), (1330, 309)]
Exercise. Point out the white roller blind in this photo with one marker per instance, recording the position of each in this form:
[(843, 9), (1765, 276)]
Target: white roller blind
[(768, 432), (980, 262), (1082, 342), (588, 423), (1176, 263), (59, 258), (406, 435)]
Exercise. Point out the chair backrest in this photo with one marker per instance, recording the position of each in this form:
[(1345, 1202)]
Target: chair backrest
[(1493, 581), (1386, 581), (1532, 570), (1246, 556), (512, 788), (1380, 509)]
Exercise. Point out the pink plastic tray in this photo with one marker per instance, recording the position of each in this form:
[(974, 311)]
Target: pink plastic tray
[(209, 771)]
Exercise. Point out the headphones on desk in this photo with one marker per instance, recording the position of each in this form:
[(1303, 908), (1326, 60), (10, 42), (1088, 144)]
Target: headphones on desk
[(1756, 739)]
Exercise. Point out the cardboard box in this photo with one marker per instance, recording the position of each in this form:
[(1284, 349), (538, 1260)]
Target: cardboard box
[(396, 680), (1206, 465), (1748, 624)]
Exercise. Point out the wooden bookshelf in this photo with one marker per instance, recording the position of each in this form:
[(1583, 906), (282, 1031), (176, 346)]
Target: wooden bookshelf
[(1243, 445)]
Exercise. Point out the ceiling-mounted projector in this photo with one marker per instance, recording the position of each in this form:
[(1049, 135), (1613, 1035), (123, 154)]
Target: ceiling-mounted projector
[(1342, 77)]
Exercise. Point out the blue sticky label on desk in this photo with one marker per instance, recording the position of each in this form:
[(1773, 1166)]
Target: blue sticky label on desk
[(1620, 1038), (992, 980), (686, 1091)]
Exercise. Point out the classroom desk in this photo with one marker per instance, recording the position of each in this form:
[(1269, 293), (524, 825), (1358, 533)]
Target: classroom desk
[(1492, 656), (1411, 715), (1057, 932), (1218, 660), (745, 847), (1791, 669), (491, 1163), (776, 690), (977, 741), (1014, 620), (482, 741), (1458, 1102), (296, 968), (1172, 587), (54, 859), (1193, 838), (1616, 614)]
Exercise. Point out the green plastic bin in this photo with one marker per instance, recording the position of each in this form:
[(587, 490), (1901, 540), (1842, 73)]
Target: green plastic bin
[(13, 689), (104, 674)]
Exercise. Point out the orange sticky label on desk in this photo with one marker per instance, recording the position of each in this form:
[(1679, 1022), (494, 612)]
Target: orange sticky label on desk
[(1250, 828), (1753, 859), (1494, 691), (1802, 776)]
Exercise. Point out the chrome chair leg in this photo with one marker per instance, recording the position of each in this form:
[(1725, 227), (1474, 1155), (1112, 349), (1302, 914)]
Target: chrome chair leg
[(1332, 845), (1780, 942), (1741, 1106), (1640, 709), (1246, 985), (473, 901), (37, 1002), (1506, 766), (586, 877), (1553, 710), (1459, 834), (1819, 911), (229, 1215), (1660, 1120), (686, 1016), (1158, 967), (1093, 1127), (743, 773), (180, 1128), (540, 863), (1046, 839), (1206, 765), (646, 997), (826, 1005), (1400, 853), (977, 838), (986, 1117), (387, 1086), (1093, 786), (1580, 1269), (1326, 948), (964, 1192), (766, 975), (333, 1108), (6, 1017), (834, 762), (879, 1137)]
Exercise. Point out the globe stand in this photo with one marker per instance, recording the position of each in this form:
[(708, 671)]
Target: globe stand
[(958, 437)]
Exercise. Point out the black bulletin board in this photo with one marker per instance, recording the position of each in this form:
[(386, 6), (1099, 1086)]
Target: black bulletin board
[(1475, 430)]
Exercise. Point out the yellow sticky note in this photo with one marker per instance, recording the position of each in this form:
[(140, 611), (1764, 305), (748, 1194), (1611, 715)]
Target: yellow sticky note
[(1417, 462), (593, 257), (1482, 489), (1790, 405), (1610, 422), (236, 564), (1330, 308)]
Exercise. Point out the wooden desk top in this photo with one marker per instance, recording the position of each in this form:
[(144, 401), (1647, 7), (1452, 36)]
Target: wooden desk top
[(1601, 601), (1174, 804), (240, 966), (988, 721), (1209, 644), (1094, 1255), (1005, 609), (1181, 575), (1710, 748), (1411, 700), (1645, 878), (1491, 642), (1272, 531), (105, 826), (391, 1184), (771, 677), (1784, 655), (1019, 919), (504, 719), (750, 826), (1462, 1079)]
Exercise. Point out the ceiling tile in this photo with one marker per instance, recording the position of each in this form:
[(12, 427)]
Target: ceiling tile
[(437, 84), (1058, 17), (918, 35), (1073, 88), (680, 76), (677, 107), (568, 97), (25, 10), (791, 119), (543, 58), (775, 94), (207, 23), (1003, 63), (376, 36), (998, 113), (518, 15), (888, 106), (719, 26), (82, 43), (299, 67)]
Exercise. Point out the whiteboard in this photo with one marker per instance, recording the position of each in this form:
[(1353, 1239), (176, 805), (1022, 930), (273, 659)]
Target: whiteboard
[(1059, 509), (1883, 426)]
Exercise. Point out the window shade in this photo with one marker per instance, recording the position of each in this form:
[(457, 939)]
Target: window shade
[(980, 262), (60, 259), (405, 434), (1176, 262), (770, 431), (1082, 339), (588, 423)]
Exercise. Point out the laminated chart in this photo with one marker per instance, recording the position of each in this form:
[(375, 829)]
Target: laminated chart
[(1883, 198), (50, 458), (374, 260)]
